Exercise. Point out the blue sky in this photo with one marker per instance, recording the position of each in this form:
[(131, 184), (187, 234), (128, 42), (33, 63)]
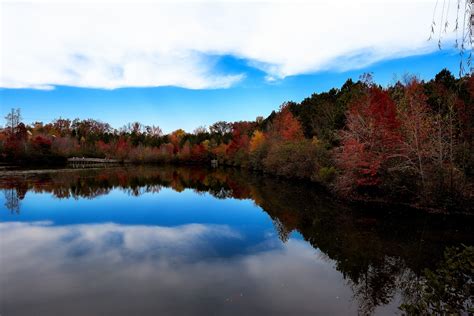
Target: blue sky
[(173, 107), (183, 65)]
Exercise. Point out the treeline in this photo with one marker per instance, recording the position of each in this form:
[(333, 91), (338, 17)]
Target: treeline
[(412, 141)]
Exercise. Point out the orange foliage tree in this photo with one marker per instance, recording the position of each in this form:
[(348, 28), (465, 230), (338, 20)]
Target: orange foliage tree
[(257, 140), (285, 126)]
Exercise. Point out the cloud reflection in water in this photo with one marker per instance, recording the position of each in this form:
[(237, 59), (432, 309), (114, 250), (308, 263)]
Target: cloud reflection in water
[(130, 269)]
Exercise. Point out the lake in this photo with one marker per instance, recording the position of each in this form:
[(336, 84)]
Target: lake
[(187, 240)]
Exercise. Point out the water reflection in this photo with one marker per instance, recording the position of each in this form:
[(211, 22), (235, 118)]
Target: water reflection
[(348, 261), (12, 200), (88, 262)]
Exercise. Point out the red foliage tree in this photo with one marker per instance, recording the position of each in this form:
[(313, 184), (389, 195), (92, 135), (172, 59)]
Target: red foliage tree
[(371, 140), (122, 148), (103, 148), (198, 152), (240, 137), (41, 143), (285, 126), (167, 150)]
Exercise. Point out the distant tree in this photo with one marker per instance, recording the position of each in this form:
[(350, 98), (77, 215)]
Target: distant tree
[(12, 120), (41, 145), (154, 131), (200, 130), (62, 127), (135, 128), (185, 152), (221, 128), (121, 148), (256, 141), (167, 151), (199, 153), (175, 139), (285, 126), (240, 137), (292, 159)]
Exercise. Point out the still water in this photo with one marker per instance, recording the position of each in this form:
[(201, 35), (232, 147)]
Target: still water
[(193, 241)]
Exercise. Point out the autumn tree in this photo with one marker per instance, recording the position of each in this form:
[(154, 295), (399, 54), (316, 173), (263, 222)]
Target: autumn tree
[(240, 137), (256, 141), (221, 128), (258, 149), (417, 130), (12, 120), (121, 148), (153, 131), (199, 153), (285, 126), (175, 139), (220, 152), (221, 132), (185, 152), (166, 151), (41, 145), (370, 142), (61, 127), (292, 159), (200, 130)]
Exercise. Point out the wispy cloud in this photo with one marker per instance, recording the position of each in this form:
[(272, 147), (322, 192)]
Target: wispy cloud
[(108, 45)]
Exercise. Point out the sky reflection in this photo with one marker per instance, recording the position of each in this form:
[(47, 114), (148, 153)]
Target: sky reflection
[(122, 269)]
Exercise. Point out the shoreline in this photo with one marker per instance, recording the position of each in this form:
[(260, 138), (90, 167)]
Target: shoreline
[(371, 204)]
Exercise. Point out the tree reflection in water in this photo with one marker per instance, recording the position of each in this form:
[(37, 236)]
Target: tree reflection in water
[(12, 200), (383, 255)]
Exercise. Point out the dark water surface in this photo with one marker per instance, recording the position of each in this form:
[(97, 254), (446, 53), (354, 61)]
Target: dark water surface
[(187, 241)]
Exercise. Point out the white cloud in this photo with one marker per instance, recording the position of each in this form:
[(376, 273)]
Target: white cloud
[(110, 45)]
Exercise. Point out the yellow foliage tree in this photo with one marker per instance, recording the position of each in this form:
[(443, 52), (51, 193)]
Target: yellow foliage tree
[(256, 141)]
